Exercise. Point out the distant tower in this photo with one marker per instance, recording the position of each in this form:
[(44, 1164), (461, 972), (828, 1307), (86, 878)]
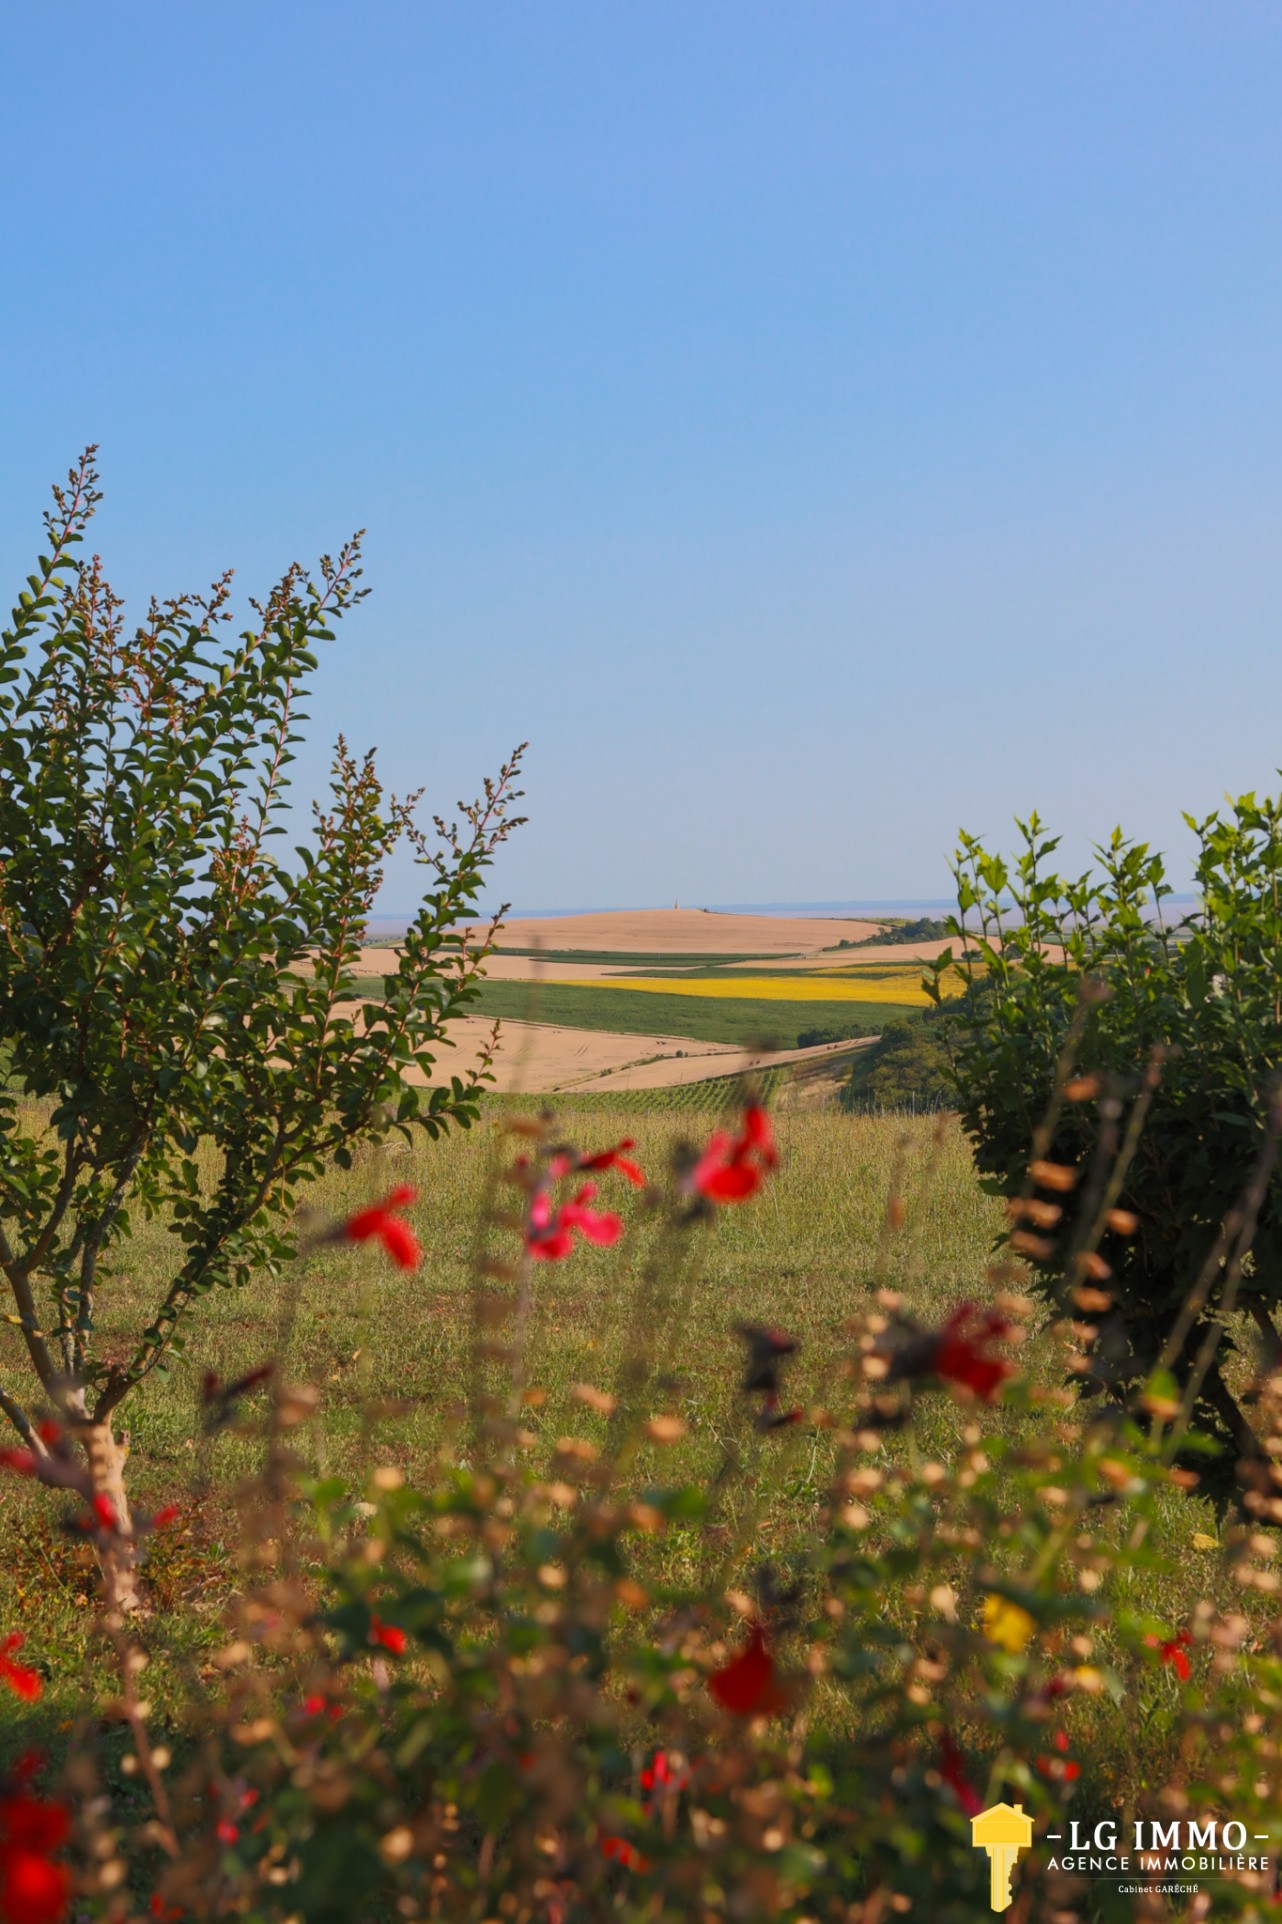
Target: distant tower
[(676, 905)]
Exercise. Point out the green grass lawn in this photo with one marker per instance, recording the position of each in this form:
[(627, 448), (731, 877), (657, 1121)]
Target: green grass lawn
[(389, 1353), (749, 1021)]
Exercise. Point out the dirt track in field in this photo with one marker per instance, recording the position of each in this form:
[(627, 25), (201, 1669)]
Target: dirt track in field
[(540, 1058)]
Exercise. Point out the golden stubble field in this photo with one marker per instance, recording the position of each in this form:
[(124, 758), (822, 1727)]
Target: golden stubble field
[(678, 932)]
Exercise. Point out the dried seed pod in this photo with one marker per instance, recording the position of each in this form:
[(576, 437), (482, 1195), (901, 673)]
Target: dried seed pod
[(1053, 1175), (1081, 1088)]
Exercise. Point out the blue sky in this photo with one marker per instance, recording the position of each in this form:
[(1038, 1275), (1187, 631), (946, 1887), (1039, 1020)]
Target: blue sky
[(815, 426)]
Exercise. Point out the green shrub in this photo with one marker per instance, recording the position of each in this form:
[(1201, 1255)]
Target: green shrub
[(1184, 1021), (166, 982)]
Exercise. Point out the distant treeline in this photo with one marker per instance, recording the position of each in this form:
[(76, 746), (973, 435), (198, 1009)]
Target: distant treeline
[(927, 929)]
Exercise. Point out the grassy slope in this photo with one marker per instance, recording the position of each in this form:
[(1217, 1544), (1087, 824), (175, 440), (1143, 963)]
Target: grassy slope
[(803, 1256)]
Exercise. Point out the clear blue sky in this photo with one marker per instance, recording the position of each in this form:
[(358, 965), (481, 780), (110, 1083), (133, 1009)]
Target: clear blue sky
[(813, 425)]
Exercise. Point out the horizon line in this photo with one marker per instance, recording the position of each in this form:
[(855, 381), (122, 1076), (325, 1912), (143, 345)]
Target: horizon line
[(847, 909)]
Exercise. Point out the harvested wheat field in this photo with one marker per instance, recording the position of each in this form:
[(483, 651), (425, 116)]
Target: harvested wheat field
[(542, 1058), (502, 967), (684, 932)]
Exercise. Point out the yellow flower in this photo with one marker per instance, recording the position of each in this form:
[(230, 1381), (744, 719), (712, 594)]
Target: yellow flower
[(1006, 1625)]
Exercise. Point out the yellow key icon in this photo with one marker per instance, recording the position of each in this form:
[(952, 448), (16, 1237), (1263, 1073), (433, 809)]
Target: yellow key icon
[(1003, 1831)]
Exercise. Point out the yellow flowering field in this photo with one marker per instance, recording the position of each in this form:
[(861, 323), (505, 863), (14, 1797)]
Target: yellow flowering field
[(904, 990)]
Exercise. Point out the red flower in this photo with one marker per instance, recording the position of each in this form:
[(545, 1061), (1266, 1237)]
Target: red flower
[(614, 1159), (169, 1514), (318, 1705), (33, 1889), (389, 1635), (623, 1853), (1172, 1652), (747, 1686), (104, 1510), (952, 1768), (226, 1832), (380, 1224), (550, 1236), (1062, 1769), (24, 1683), (730, 1171), (958, 1350), (23, 1462), (662, 1774)]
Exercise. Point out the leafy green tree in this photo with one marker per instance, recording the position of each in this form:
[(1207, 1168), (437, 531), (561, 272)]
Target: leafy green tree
[(906, 1066), (167, 981), (1192, 1006)]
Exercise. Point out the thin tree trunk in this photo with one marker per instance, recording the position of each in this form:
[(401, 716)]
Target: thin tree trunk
[(118, 1556), (1217, 1393)]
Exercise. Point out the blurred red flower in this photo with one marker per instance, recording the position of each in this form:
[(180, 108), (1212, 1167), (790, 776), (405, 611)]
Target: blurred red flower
[(389, 1635), (619, 1849), (382, 1225), (732, 1169), (33, 1889), (1062, 1769), (23, 1682), (550, 1235), (662, 1772), (318, 1705), (958, 1350), (1173, 1652), (748, 1685), (615, 1159), (952, 1768)]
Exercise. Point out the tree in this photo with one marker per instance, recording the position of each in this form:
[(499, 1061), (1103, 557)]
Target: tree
[(166, 979), (907, 1064), (1193, 1006)]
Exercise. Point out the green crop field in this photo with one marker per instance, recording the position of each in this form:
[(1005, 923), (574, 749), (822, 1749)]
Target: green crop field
[(747, 1020)]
